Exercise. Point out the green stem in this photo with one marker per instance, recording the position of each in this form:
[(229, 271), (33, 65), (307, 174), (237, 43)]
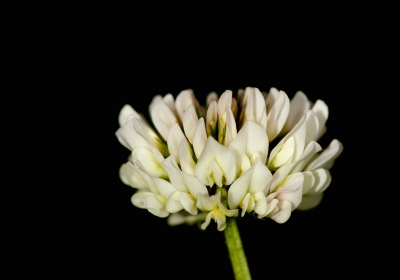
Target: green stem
[(236, 252)]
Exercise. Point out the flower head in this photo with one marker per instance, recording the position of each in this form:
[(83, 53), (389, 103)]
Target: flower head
[(254, 153)]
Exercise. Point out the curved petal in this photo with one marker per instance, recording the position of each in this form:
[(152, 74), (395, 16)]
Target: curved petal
[(298, 133), (182, 101), (175, 138), (327, 156), (188, 203), (156, 206), (322, 180), (224, 102), (139, 199), (174, 174), (278, 107), (199, 138), (179, 218), (144, 130), (186, 157), (230, 132), (283, 213), (127, 113), (163, 118), (290, 189), (309, 181), (310, 201), (173, 203), (149, 162), (130, 138), (238, 190), (312, 124), (299, 105), (322, 112), (211, 97), (170, 102), (261, 205), (250, 140), (214, 152), (190, 120), (261, 178), (208, 203), (212, 119), (194, 185), (129, 176)]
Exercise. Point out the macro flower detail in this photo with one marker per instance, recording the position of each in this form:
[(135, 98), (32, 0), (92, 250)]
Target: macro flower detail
[(255, 153)]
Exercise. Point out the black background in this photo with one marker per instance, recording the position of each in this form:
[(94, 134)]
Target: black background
[(70, 68)]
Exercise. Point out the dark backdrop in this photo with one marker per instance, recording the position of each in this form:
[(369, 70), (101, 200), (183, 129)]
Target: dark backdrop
[(70, 68)]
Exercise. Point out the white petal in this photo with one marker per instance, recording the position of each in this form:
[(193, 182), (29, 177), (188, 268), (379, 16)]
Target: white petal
[(213, 151), (146, 177), (298, 133), (127, 113), (312, 124), (245, 165), (279, 107), (163, 118), (184, 217), (130, 138), (156, 185), (174, 140), (194, 185), (186, 157), (208, 203), (139, 199), (154, 101), (212, 118), (173, 203), (310, 201), (245, 204), (284, 212), (183, 100), (189, 122), (149, 162), (272, 205), (207, 221), (322, 112), (230, 132), (224, 102), (261, 178), (156, 206), (310, 151), (144, 130), (261, 205), (254, 108), (285, 155), (279, 176), (174, 174), (199, 138), (327, 156), (164, 188), (292, 189), (170, 102), (309, 181), (299, 105), (215, 174), (238, 190), (188, 203), (129, 176), (251, 139), (322, 180), (221, 222), (211, 97)]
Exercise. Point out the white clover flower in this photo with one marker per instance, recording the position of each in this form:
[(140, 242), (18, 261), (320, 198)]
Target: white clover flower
[(255, 153)]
